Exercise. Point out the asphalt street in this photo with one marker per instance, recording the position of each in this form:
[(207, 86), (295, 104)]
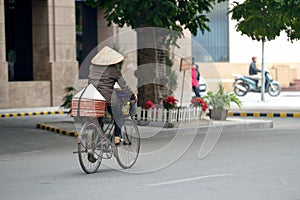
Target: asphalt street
[(250, 164)]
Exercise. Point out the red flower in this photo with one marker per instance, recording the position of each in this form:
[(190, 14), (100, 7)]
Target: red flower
[(198, 102), (170, 102), (150, 104)]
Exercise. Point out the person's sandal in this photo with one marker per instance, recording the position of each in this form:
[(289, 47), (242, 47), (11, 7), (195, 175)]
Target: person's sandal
[(117, 140)]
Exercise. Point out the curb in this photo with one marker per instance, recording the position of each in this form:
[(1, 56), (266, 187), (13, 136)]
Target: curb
[(230, 114), (216, 127), (56, 130), (233, 125), (24, 114), (258, 114)]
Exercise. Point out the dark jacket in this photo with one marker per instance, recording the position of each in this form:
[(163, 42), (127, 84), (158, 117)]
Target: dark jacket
[(252, 69), (104, 79)]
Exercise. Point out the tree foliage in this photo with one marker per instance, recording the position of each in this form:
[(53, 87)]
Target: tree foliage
[(266, 19), (170, 18), (171, 14)]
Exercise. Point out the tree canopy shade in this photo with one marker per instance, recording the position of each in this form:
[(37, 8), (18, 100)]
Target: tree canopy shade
[(171, 14), (266, 19)]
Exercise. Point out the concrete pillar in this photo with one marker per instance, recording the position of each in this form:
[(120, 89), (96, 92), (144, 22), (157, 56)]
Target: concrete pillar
[(4, 86), (62, 47), (40, 40), (3, 63), (104, 32)]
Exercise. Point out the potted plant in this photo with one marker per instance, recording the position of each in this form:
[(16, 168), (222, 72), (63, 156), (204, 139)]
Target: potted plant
[(67, 99), (170, 103), (199, 102), (219, 103)]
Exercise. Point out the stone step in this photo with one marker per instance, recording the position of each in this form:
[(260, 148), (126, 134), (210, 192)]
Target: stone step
[(294, 84), (297, 81), (292, 88)]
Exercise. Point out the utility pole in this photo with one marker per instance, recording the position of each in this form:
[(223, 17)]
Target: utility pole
[(263, 72)]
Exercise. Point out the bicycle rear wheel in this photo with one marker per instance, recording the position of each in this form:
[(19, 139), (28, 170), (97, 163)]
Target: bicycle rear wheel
[(89, 153), (129, 148)]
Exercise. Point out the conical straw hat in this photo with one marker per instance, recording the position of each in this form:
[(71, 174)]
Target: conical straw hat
[(107, 56)]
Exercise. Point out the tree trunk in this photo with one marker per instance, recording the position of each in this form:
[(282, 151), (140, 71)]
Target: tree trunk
[(151, 71)]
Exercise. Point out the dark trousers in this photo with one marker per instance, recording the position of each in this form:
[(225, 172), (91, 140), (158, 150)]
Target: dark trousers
[(116, 112), (196, 91)]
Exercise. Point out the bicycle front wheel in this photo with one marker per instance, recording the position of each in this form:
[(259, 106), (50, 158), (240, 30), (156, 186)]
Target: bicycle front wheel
[(129, 148), (89, 153)]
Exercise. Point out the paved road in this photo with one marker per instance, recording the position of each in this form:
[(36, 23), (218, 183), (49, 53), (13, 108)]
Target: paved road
[(255, 164)]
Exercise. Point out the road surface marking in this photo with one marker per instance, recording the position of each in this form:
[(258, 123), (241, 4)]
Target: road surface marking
[(188, 179)]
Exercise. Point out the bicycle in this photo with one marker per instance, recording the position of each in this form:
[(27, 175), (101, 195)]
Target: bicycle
[(95, 143)]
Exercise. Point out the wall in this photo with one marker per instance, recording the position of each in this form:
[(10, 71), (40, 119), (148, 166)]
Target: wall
[(54, 56), (29, 94), (223, 72)]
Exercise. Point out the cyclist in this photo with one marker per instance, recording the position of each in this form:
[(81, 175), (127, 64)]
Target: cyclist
[(104, 73)]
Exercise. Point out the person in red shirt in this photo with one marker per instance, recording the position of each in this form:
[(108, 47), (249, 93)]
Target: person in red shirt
[(195, 79)]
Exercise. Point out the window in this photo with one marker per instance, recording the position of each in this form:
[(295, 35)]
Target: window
[(213, 46), (18, 39), (86, 30)]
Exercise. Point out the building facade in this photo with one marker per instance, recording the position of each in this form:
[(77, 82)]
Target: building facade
[(44, 42), (38, 43), (224, 51), (38, 58)]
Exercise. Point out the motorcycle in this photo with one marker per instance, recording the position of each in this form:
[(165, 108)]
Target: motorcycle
[(244, 84)]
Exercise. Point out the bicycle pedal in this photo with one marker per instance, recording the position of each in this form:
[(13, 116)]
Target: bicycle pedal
[(126, 143), (91, 158)]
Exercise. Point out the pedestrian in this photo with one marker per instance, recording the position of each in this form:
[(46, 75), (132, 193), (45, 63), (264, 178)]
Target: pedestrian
[(104, 73), (195, 78)]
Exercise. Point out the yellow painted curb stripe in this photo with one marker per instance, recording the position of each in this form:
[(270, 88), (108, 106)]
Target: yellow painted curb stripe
[(23, 114), (57, 130), (297, 115), (283, 115), (256, 114), (243, 114)]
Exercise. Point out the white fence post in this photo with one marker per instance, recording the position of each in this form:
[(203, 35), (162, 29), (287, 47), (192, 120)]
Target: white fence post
[(173, 115)]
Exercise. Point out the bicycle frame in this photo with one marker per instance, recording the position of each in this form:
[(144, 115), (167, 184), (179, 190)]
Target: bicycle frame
[(108, 129)]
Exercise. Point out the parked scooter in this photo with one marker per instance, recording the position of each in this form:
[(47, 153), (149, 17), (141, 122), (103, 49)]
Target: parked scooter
[(244, 84)]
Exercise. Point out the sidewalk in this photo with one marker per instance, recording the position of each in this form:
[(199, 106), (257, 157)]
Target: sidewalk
[(285, 105), (286, 102)]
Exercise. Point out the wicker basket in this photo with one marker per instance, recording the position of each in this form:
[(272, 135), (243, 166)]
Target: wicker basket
[(88, 108)]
